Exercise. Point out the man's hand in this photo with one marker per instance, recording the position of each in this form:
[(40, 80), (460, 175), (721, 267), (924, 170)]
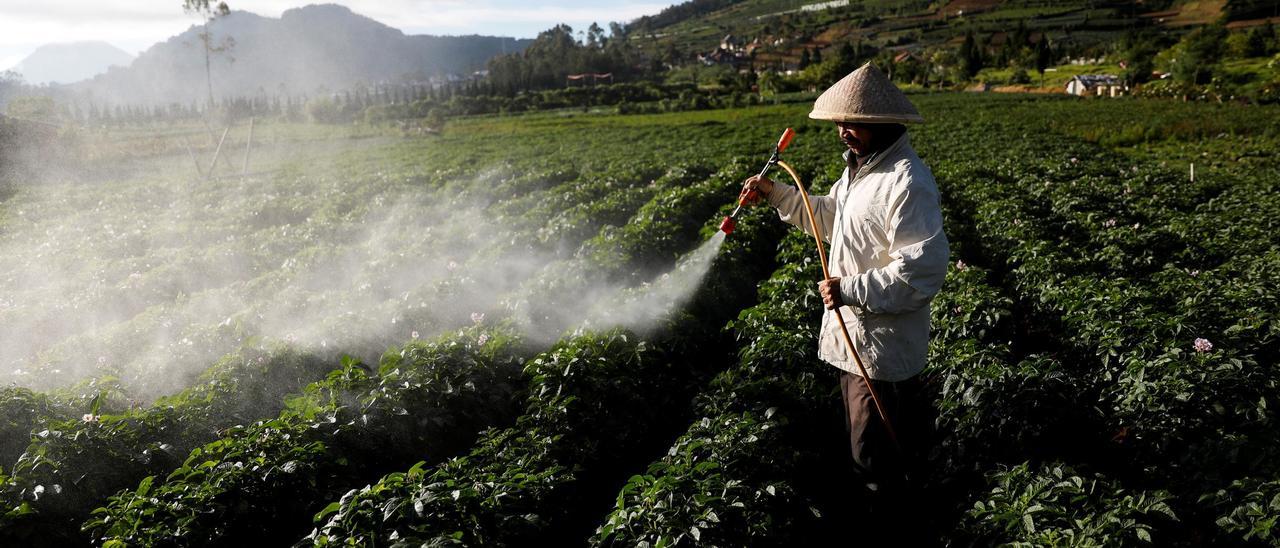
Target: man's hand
[(758, 183), (830, 291)]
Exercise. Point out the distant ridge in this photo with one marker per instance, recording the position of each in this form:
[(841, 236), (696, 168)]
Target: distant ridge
[(70, 62), (308, 50), (779, 31)]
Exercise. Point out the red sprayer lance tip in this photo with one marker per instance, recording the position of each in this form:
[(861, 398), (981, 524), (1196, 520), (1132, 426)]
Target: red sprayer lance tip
[(751, 195)]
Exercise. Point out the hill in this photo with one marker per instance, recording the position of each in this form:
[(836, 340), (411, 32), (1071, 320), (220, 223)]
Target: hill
[(70, 62), (312, 49), (777, 32)]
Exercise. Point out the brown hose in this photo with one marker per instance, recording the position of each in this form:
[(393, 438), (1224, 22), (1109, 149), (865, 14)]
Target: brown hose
[(844, 330)]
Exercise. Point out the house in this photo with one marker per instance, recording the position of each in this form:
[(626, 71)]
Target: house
[(729, 52), (904, 57), (1093, 84)]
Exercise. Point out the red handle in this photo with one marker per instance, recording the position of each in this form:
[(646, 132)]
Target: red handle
[(748, 196), (786, 139)]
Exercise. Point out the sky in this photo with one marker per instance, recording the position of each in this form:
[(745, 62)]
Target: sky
[(134, 25)]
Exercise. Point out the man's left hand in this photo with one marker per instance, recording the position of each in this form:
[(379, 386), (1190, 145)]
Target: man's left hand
[(830, 291)]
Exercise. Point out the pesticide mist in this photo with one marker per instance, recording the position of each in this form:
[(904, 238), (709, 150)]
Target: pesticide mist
[(148, 279)]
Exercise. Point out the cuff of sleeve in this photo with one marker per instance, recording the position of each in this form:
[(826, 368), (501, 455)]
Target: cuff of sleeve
[(780, 193), (849, 294)]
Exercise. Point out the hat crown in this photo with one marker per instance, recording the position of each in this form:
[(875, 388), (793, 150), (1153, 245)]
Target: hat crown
[(865, 95)]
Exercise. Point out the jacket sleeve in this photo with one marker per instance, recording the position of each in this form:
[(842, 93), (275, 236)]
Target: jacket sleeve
[(790, 205), (919, 252)]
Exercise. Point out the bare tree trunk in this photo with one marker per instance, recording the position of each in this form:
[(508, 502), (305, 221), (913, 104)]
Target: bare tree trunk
[(199, 171), (248, 144), (208, 73), (217, 152)]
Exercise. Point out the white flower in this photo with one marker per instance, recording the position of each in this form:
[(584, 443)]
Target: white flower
[(1202, 345), (484, 338), (477, 317), (90, 417), (414, 334), (960, 265)]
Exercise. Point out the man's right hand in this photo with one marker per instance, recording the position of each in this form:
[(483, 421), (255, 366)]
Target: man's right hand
[(758, 183)]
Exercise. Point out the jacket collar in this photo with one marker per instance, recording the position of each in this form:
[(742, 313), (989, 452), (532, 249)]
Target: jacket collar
[(874, 160)]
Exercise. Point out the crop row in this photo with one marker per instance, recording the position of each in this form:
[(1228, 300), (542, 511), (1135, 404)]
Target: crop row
[(587, 423), (1112, 256), (118, 451), (728, 480), (208, 493)]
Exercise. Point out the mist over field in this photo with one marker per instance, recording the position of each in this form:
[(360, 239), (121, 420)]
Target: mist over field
[(152, 279)]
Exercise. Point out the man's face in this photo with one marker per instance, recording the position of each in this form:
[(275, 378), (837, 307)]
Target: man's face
[(855, 136)]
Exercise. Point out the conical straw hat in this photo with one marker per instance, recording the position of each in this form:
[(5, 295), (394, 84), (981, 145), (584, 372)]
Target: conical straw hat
[(865, 95)]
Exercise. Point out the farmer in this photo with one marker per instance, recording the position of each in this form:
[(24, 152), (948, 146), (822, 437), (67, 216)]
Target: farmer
[(888, 259)]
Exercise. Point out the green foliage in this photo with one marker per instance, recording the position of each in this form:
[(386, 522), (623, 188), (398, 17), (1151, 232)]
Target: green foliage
[(1053, 505), (1136, 265), (580, 428), (33, 107), (425, 397), (1073, 345), (20, 409), (73, 463), (555, 55), (729, 479), (1248, 509), (1196, 57)]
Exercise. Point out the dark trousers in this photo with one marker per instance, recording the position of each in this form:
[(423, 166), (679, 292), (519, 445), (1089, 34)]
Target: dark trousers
[(881, 465)]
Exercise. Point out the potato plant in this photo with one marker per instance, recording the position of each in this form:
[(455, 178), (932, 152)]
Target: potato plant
[(585, 422)]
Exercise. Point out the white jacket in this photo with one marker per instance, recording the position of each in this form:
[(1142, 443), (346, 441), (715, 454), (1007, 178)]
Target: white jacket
[(888, 248)]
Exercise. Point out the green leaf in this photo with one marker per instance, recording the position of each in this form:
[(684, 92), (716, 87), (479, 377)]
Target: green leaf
[(95, 405), (331, 508), (144, 486)]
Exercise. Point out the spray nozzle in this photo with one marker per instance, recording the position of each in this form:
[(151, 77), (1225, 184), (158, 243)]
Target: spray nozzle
[(751, 195)]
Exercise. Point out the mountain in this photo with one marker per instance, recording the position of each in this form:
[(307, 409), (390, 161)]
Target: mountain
[(71, 62), (308, 50)]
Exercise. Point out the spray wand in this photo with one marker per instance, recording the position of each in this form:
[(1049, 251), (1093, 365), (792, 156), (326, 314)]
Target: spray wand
[(751, 195)]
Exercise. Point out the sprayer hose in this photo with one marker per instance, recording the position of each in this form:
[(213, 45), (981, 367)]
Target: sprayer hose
[(844, 330)]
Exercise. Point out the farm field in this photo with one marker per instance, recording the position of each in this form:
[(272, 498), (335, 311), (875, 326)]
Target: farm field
[(526, 330)]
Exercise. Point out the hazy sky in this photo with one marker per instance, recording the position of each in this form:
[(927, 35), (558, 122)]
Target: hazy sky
[(134, 25)]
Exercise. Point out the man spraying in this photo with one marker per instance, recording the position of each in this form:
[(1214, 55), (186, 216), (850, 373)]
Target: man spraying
[(888, 259)]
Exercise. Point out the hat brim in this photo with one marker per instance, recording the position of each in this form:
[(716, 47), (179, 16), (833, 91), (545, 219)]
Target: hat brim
[(867, 118)]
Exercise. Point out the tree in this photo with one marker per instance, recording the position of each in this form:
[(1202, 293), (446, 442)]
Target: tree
[(1260, 40), (1196, 56), (595, 36), (1044, 56), (1140, 61), (946, 64), (208, 12), (770, 84), (970, 57)]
